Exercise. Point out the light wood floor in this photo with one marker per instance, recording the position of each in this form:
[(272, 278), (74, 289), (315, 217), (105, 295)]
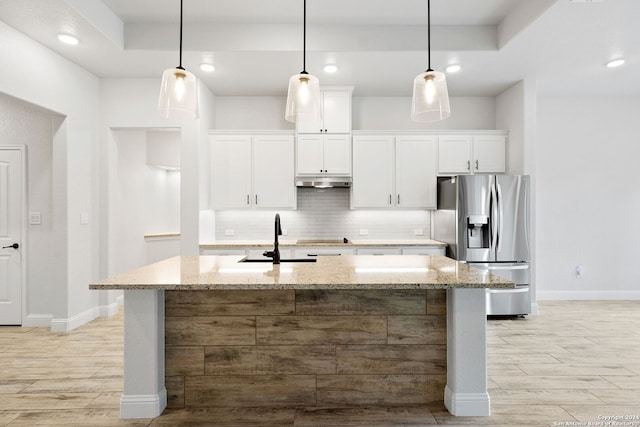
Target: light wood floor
[(574, 362)]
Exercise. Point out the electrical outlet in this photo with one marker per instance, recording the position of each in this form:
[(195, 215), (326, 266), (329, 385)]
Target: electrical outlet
[(364, 231), (418, 232), (229, 232)]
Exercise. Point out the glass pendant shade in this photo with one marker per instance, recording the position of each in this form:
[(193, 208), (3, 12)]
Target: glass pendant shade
[(178, 94), (430, 97), (303, 99)]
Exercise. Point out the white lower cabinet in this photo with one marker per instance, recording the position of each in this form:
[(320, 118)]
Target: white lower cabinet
[(253, 171), (423, 250), (394, 171), (379, 251)]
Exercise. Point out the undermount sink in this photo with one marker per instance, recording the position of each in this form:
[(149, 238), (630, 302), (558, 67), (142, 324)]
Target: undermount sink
[(281, 260), (322, 241)]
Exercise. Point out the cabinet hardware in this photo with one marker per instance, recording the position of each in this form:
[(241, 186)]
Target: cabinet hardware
[(398, 199), (256, 199), (248, 200), (468, 165), (476, 165), (389, 199), (14, 246)]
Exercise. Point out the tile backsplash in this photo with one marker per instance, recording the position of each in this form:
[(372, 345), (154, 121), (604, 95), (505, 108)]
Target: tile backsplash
[(323, 214)]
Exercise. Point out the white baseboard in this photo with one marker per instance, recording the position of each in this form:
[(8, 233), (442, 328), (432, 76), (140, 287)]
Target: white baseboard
[(467, 404), (534, 308), (587, 295), (143, 406), (68, 325), (38, 320), (111, 309)]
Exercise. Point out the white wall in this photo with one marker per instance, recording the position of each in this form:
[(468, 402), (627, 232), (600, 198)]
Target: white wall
[(588, 197), (34, 74), (510, 115), (251, 113), (144, 200), (24, 124), (394, 113), (369, 113)]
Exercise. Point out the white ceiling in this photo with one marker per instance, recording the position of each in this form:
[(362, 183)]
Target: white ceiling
[(378, 45)]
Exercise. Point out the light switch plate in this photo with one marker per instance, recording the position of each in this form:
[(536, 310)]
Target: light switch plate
[(84, 218), (35, 218)]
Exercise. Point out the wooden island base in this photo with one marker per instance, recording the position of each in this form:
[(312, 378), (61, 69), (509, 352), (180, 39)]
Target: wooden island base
[(213, 331), (311, 348)]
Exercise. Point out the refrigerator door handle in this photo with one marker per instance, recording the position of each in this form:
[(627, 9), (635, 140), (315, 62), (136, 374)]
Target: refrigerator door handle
[(500, 213), (494, 219)]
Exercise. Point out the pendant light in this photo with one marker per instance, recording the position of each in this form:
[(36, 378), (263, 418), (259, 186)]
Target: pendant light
[(179, 90), (430, 96), (303, 97)]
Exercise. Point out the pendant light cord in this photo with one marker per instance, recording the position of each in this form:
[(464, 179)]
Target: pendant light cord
[(429, 35), (180, 67), (304, 39)]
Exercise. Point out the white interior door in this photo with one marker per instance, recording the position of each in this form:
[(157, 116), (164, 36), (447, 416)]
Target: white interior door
[(11, 206)]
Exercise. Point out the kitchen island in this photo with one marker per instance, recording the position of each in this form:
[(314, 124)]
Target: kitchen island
[(342, 331)]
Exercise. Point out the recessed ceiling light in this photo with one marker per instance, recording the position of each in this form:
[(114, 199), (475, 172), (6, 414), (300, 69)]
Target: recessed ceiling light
[(615, 63), (330, 68), (207, 67), (453, 68), (68, 39)]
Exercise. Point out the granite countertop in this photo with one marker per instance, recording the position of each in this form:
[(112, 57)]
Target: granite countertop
[(228, 244), (343, 272)]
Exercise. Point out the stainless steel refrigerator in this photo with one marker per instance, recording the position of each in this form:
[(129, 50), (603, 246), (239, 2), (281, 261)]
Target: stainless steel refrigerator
[(484, 219)]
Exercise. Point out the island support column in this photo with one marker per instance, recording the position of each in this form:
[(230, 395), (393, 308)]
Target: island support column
[(466, 392), (144, 394)]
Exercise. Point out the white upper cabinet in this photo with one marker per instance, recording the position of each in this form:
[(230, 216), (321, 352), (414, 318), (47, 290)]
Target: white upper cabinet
[(394, 172), (463, 154), (372, 172), (336, 114), (253, 171), (416, 171), (489, 154), (324, 154), (231, 172), (273, 172)]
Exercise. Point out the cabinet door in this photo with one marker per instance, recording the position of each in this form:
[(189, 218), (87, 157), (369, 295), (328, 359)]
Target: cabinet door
[(231, 172), (337, 112), (454, 154), (310, 154), (372, 172), (273, 172), (489, 153), (337, 154), (416, 172)]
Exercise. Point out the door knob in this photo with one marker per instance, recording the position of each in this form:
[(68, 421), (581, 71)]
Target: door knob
[(14, 246)]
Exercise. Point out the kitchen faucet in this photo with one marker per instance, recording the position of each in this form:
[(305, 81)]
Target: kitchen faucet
[(275, 253)]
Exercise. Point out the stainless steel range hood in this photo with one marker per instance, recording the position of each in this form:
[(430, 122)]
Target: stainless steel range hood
[(324, 181)]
